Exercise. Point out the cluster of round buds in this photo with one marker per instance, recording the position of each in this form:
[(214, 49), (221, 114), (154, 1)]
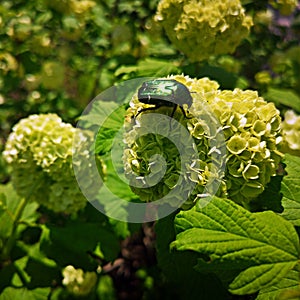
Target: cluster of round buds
[(291, 133), (78, 282), (250, 129), (40, 151), (201, 29)]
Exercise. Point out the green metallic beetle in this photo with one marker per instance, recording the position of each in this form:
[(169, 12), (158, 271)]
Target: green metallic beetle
[(164, 92)]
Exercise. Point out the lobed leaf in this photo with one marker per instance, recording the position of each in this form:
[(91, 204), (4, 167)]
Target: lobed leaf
[(228, 233), (288, 284)]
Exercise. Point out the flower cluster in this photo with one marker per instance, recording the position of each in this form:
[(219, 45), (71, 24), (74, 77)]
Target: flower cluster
[(204, 28), (291, 133), (78, 282), (251, 135), (40, 152)]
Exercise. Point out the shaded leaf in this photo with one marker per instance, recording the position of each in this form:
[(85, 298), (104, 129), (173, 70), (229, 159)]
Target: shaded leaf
[(183, 281), (270, 198), (72, 243)]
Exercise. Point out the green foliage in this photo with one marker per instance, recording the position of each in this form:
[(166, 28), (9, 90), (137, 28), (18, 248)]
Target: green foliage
[(22, 293)]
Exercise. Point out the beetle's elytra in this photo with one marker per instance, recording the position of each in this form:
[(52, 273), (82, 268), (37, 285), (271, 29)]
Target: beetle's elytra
[(164, 92)]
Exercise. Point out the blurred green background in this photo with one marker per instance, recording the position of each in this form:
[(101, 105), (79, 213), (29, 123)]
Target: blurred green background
[(57, 55)]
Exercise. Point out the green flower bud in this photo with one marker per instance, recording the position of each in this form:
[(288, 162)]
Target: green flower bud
[(263, 17), (263, 78), (251, 129), (201, 29), (78, 282), (39, 151)]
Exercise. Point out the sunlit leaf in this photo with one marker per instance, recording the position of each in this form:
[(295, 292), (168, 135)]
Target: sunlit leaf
[(227, 232), (11, 293), (288, 285)]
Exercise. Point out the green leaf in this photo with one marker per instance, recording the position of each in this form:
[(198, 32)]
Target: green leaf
[(11, 293), (30, 215), (7, 218), (109, 129), (290, 190), (72, 243), (34, 253), (105, 288), (228, 233), (21, 277), (10, 202), (100, 111), (114, 190), (108, 108), (149, 67), (283, 96), (289, 284)]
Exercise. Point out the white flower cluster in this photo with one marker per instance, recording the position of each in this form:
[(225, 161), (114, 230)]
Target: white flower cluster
[(77, 281), (39, 151)]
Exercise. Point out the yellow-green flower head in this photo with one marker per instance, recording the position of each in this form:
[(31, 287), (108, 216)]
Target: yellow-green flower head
[(291, 133), (251, 129), (285, 7), (39, 150), (204, 28), (78, 282)]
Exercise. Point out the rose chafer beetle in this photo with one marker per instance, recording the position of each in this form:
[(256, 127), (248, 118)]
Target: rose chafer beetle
[(164, 92)]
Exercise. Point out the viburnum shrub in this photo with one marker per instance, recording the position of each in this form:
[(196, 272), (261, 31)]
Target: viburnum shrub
[(201, 29), (39, 151), (251, 130)]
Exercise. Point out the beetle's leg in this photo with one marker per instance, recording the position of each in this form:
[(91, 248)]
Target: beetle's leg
[(183, 111), (173, 111), (145, 109)]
